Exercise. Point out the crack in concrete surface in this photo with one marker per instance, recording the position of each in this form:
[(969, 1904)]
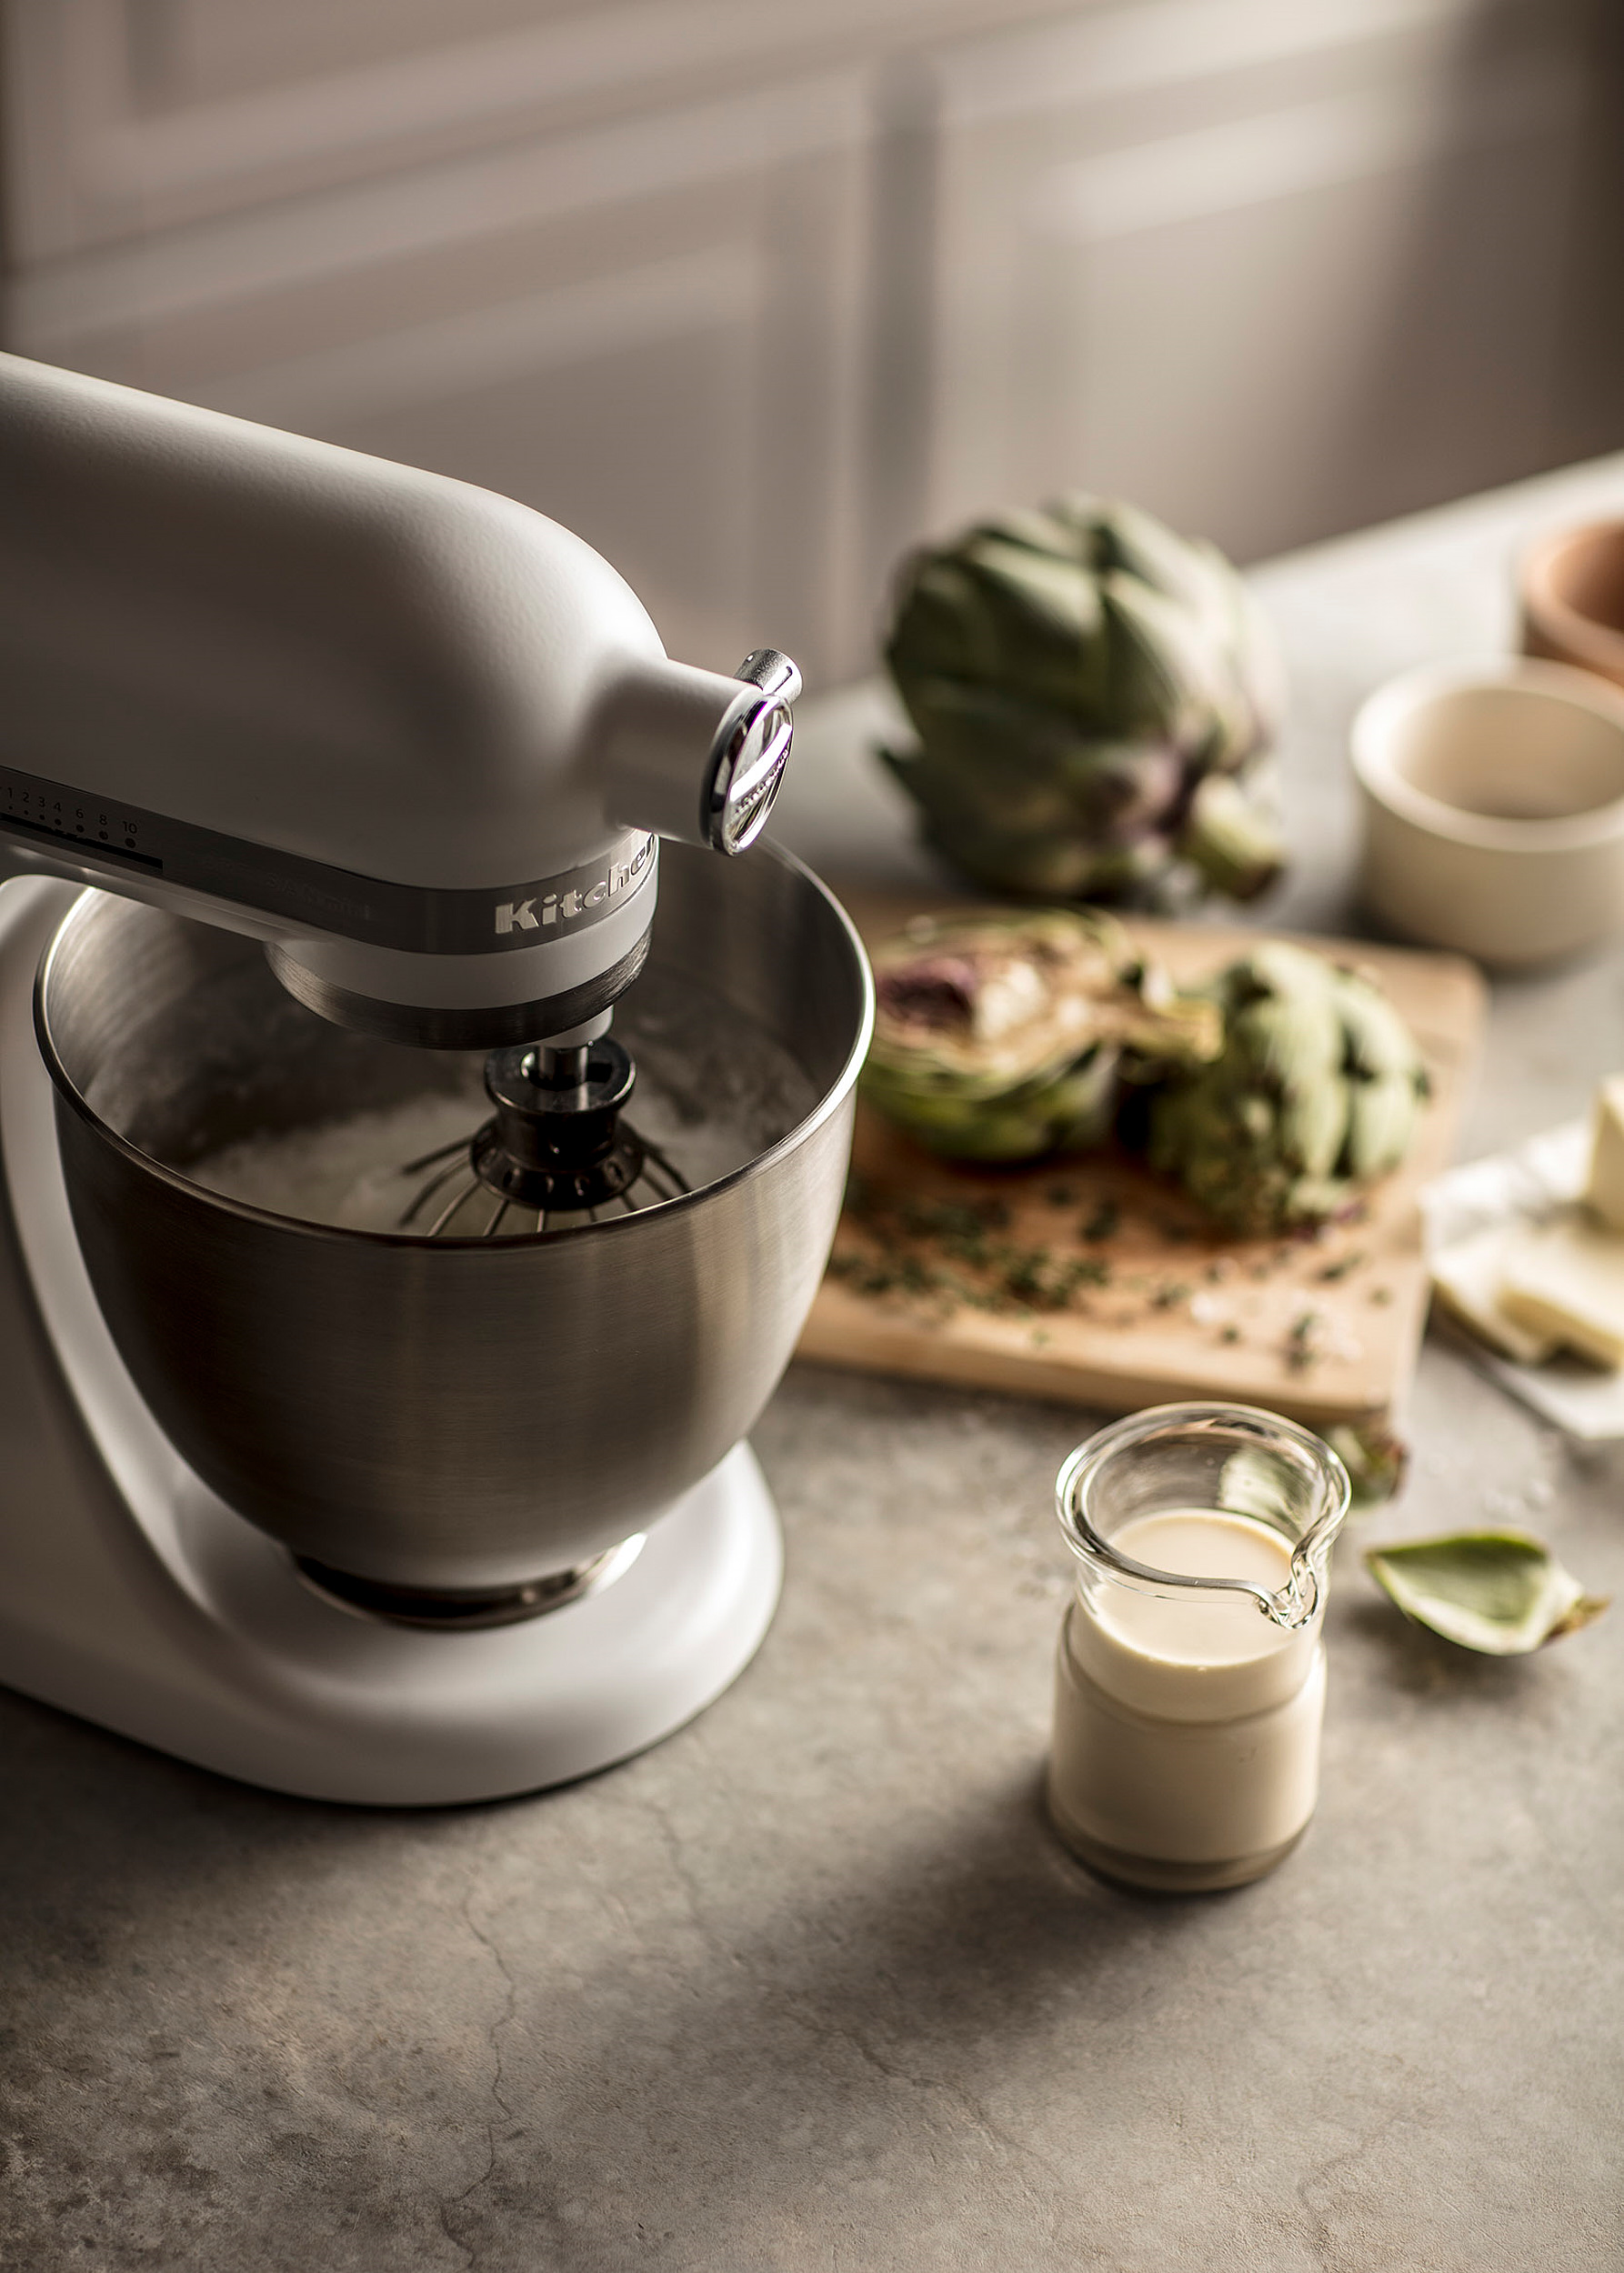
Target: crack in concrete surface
[(1016, 2150), (1321, 2236), (681, 1869), (448, 2203)]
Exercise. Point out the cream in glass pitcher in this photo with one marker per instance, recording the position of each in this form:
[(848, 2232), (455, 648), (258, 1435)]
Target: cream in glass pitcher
[(1190, 1685)]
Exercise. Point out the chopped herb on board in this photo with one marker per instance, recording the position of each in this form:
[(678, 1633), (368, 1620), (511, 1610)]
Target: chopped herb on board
[(1001, 1253), (949, 1252)]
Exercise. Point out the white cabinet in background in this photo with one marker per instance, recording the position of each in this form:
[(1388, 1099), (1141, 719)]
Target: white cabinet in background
[(1275, 271), (649, 330), (753, 294)]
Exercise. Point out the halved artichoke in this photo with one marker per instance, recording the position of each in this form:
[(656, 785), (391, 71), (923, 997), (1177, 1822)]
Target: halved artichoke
[(1317, 1091), (1004, 1036), (1094, 699)]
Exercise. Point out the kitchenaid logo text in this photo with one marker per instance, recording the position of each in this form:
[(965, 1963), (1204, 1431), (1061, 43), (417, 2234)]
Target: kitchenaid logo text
[(588, 899)]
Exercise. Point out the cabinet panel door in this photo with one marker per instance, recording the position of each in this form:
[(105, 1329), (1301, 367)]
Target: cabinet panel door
[(126, 117), (632, 419), (1272, 303), (129, 115), (675, 378)]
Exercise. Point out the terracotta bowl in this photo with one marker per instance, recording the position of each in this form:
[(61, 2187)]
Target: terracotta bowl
[(1572, 588)]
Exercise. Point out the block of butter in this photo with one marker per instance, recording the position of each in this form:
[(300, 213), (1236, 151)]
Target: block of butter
[(1467, 1277), (1566, 1281), (1604, 1188)]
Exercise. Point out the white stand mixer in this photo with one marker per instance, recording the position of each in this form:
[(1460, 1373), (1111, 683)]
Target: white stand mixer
[(130, 1591)]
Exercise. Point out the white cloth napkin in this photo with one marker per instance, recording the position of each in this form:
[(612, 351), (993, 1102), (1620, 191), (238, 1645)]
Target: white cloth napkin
[(1533, 1184)]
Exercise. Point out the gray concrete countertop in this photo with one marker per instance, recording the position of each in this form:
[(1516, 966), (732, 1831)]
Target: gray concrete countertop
[(809, 1986)]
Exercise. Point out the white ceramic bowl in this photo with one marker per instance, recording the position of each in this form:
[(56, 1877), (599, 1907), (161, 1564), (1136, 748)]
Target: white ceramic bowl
[(1493, 798)]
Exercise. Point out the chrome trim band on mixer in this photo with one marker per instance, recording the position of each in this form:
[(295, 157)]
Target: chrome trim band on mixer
[(128, 842), (467, 1610), (450, 1026)]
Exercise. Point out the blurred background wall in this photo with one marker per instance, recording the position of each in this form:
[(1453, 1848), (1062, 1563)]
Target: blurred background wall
[(751, 292)]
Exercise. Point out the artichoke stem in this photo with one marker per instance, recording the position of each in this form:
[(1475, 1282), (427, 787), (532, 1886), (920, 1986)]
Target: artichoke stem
[(1232, 837)]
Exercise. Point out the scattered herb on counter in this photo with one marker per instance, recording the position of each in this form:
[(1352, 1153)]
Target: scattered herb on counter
[(1500, 1592), (1104, 1223), (1344, 1265), (1169, 1298), (1303, 1341)]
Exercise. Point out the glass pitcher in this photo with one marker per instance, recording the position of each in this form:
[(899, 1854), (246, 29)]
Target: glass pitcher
[(1190, 1683)]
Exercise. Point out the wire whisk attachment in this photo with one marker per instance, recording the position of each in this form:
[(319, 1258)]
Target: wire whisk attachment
[(555, 1145)]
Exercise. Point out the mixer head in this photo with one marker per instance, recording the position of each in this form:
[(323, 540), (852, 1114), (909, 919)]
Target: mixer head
[(555, 1145), (415, 738)]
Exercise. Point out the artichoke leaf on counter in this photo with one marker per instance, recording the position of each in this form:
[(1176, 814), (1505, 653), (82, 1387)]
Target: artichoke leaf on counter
[(1005, 1037), (1377, 1461), (1264, 1485), (1502, 1593), (1095, 699), (1316, 1092)]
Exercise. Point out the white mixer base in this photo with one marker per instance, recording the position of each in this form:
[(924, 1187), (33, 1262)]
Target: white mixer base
[(131, 1595), (250, 1673)]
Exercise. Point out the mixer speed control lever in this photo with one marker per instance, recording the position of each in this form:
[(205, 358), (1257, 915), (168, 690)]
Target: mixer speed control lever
[(698, 756), (750, 754)]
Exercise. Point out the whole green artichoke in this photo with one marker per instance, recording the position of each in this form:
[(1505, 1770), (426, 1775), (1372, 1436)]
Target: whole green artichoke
[(1003, 1036), (1316, 1091), (1094, 699)]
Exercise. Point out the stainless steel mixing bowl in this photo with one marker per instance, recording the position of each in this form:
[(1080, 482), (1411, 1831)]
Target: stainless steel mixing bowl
[(440, 1415)]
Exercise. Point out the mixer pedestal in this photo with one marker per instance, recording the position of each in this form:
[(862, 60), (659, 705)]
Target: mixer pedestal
[(130, 1593)]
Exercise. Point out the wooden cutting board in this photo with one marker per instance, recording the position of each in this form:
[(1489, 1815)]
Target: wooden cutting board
[(1092, 1281)]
